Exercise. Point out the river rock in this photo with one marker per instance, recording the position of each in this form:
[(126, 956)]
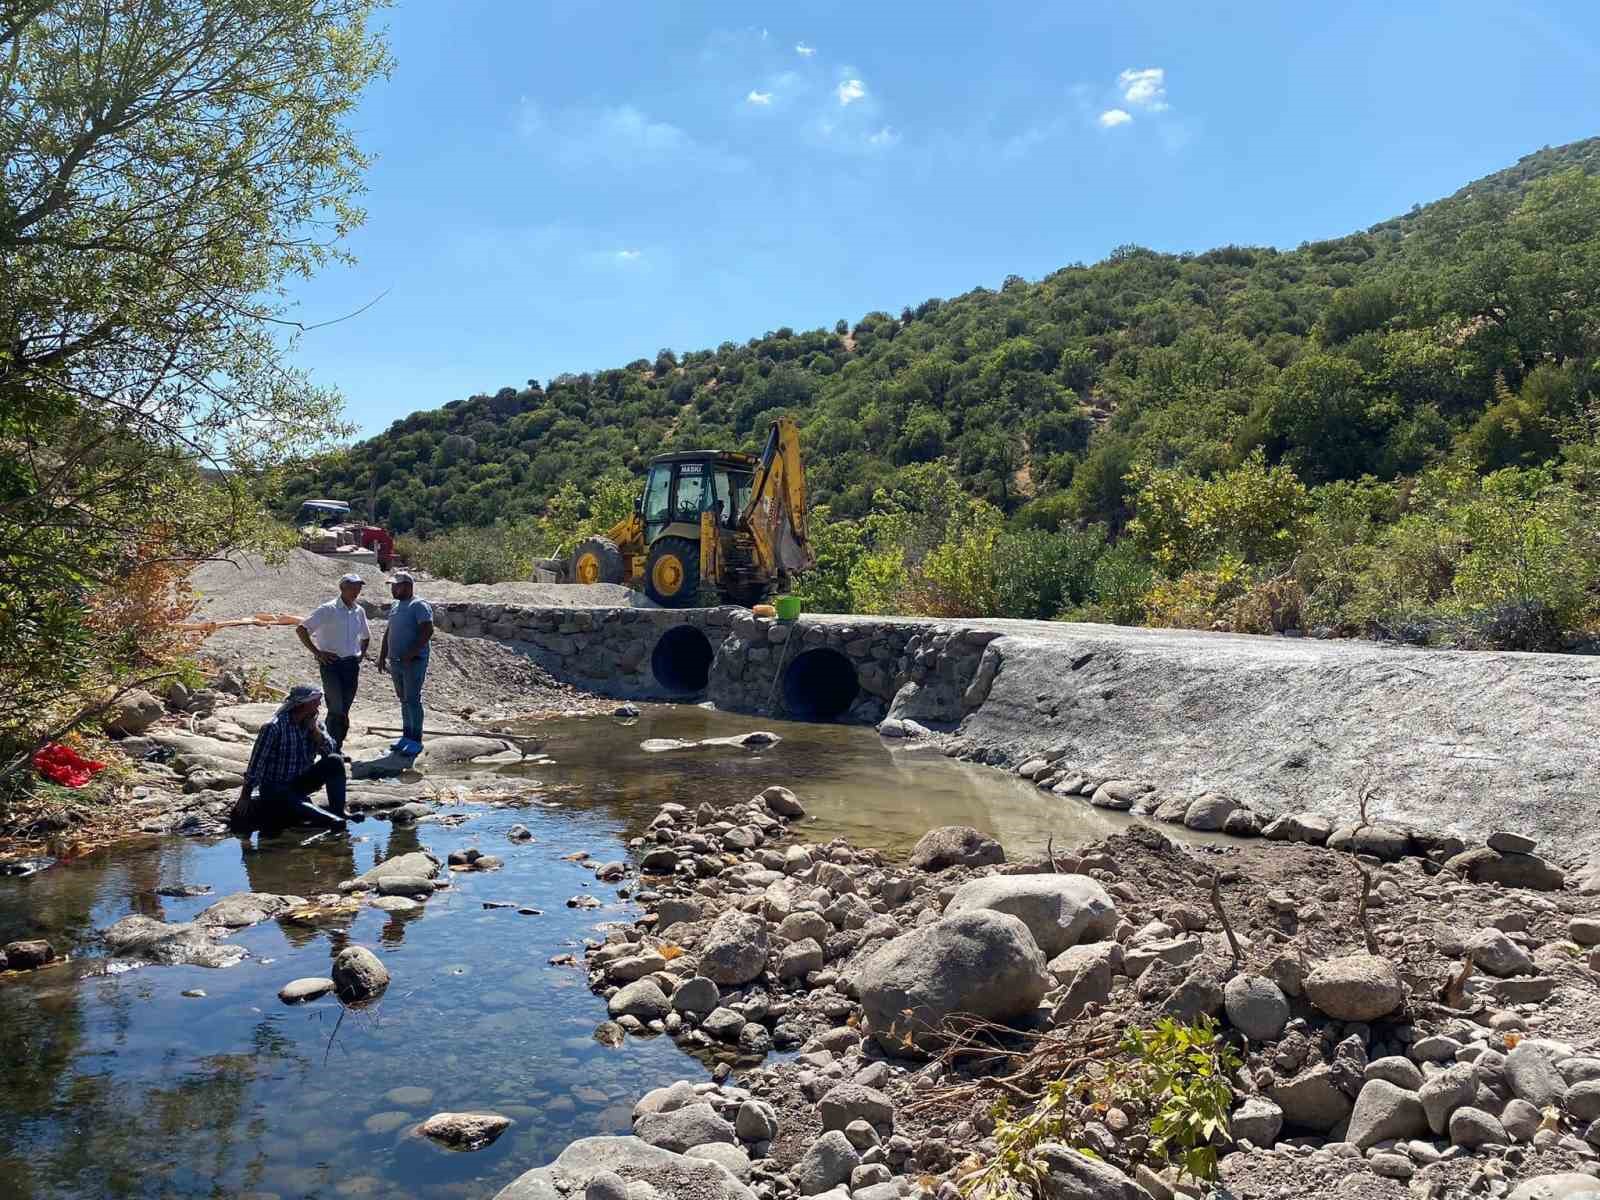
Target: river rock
[(1069, 1175), (666, 1099), (724, 1024), (955, 846), (797, 927), (133, 713), (1499, 955), (781, 802), (359, 975), (1209, 813), (668, 1174), (691, 1125), (1310, 828), (1384, 1111), (1568, 1185), (1118, 794), (1584, 930), (642, 999), (1257, 1121), (1085, 974), (799, 959), (1471, 1128), (298, 991), (1507, 842), (1387, 842), (246, 908), (1401, 1072), (410, 887), (635, 967), (1582, 1101), (1059, 910), (827, 1164), (1256, 1007), (735, 950), (1312, 1100), (413, 864), (757, 1121), (28, 955), (1443, 1093), (853, 1102), (979, 962), (1484, 865), (464, 1131), (185, 944), (1530, 1071), (1357, 987), (732, 1157), (673, 909), (606, 1185), (663, 860), (402, 905), (698, 995)]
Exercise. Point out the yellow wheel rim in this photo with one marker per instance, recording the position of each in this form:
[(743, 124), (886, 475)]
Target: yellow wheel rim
[(588, 570), (667, 575)]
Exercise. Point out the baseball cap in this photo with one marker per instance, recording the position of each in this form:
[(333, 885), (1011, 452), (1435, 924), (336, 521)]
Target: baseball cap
[(352, 577)]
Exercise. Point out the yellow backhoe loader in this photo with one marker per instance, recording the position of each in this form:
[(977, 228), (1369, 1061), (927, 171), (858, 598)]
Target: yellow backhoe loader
[(731, 523)]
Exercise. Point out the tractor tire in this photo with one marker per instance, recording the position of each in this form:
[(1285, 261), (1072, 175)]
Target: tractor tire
[(597, 560), (672, 573)]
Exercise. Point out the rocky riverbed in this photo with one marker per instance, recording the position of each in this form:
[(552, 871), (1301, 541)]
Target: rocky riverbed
[(1412, 1017)]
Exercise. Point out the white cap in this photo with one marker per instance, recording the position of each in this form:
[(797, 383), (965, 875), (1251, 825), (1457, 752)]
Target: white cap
[(352, 577)]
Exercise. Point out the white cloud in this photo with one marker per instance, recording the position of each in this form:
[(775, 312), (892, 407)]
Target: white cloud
[(628, 255), (803, 50), (619, 136), (884, 137), (756, 97), (1145, 88), (850, 91), (1113, 117)]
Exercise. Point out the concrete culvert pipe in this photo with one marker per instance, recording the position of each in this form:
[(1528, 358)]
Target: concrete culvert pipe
[(820, 685), (681, 661)]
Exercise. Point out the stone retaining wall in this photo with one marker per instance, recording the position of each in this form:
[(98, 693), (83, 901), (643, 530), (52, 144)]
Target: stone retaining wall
[(926, 671)]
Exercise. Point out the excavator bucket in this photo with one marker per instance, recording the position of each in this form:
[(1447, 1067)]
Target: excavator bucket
[(776, 514)]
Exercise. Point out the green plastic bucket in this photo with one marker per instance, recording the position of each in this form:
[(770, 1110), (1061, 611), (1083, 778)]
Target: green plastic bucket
[(788, 607)]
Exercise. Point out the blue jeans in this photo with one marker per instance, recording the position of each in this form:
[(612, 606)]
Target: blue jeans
[(408, 687), (339, 681)]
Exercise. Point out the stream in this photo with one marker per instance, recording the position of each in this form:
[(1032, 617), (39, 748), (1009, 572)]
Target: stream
[(115, 1083)]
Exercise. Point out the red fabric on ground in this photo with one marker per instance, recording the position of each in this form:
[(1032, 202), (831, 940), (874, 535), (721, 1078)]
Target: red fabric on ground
[(64, 765)]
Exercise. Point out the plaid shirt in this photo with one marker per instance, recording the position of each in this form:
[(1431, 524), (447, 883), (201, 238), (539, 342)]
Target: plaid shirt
[(284, 749)]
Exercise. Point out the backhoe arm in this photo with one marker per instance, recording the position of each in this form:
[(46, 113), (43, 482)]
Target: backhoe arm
[(775, 516)]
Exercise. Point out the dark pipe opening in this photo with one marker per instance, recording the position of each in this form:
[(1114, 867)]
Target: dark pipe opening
[(820, 685), (681, 661)]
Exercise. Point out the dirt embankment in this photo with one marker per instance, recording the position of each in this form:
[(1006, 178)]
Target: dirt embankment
[(467, 677)]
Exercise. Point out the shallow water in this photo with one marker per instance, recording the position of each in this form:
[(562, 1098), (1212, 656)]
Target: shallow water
[(112, 1083)]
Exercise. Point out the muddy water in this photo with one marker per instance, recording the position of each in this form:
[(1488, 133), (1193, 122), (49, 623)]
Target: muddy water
[(114, 1083)]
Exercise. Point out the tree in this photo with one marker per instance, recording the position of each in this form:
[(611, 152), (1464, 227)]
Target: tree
[(168, 164)]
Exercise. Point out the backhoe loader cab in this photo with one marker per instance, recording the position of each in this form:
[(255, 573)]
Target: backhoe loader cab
[(733, 522)]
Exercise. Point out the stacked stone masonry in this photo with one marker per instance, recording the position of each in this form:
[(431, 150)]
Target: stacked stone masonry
[(858, 672)]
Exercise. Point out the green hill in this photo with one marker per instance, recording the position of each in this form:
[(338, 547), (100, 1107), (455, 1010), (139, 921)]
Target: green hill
[(1466, 331)]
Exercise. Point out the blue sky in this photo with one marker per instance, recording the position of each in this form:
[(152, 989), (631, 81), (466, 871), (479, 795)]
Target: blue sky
[(567, 187)]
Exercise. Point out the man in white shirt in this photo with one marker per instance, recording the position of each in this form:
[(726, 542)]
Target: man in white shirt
[(337, 635)]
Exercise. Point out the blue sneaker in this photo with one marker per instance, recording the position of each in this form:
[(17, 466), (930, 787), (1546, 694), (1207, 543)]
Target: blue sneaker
[(410, 748), (399, 744)]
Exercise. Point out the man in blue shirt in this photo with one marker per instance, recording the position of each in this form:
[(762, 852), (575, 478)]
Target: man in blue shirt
[(404, 653), (293, 757)]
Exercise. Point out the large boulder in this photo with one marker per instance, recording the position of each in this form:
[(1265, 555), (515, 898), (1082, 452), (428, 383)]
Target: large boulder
[(1311, 828), (1257, 1121), (1444, 1092), (1384, 1111), (1256, 1007), (1388, 842), (1059, 910), (1358, 987), (980, 962), (1209, 813), (134, 713), (185, 944), (242, 909), (1312, 1100), (29, 954), (781, 802), (1484, 865), (1497, 954), (1530, 1072), (955, 846), (631, 1158), (412, 865), (358, 975), (643, 999), (464, 1131), (827, 1164), (735, 951), (691, 1125), (846, 1102), (1069, 1175)]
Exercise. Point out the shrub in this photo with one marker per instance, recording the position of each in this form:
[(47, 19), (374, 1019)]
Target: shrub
[(1041, 574)]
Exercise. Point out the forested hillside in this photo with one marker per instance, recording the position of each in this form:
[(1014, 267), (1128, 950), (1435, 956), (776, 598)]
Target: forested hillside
[(1150, 403)]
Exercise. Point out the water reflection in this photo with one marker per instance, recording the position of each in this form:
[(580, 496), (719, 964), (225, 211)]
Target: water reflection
[(114, 1084)]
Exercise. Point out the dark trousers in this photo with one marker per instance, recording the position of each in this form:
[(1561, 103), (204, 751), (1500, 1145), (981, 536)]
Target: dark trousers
[(339, 679), (279, 806)]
